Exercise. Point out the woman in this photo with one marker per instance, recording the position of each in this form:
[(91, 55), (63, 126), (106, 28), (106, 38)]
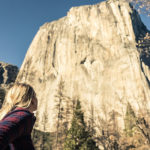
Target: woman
[(17, 118)]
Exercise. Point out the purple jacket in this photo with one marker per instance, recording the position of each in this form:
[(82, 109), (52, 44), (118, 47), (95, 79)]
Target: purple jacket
[(15, 130)]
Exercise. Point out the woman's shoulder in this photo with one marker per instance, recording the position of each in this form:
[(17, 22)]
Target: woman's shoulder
[(22, 111), (19, 113)]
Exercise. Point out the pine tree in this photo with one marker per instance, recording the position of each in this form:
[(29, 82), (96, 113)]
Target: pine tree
[(63, 112), (78, 138), (60, 112), (130, 120), (142, 6)]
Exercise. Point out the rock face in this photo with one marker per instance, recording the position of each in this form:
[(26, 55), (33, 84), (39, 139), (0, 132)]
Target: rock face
[(93, 51), (8, 74)]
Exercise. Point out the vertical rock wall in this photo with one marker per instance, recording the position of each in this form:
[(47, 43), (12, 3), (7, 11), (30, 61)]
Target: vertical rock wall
[(93, 50)]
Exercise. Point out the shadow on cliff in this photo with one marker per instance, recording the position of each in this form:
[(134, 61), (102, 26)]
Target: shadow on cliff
[(142, 35)]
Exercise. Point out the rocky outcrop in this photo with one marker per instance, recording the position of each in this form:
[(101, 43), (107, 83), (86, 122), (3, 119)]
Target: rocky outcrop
[(93, 52), (8, 74)]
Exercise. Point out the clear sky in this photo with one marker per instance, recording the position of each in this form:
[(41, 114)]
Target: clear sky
[(21, 19)]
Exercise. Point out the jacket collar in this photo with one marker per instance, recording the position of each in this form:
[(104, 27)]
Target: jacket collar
[(17, 109)]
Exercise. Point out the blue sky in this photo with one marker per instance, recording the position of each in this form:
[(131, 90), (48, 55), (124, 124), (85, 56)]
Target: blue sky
[(21, 19)]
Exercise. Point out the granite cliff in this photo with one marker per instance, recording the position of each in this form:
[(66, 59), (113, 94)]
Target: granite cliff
[(93, 51), (8, 74)]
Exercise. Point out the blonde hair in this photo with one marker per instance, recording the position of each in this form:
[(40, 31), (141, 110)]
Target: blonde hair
[(19, 95)]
